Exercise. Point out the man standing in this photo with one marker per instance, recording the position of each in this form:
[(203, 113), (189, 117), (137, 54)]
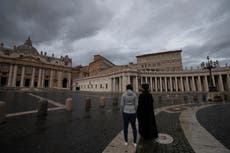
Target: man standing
[(129, 103)]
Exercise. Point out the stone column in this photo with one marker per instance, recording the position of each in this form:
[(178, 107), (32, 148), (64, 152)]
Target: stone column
[(228, 81), (43, 78), (187, 84), (124, 83), (151, 84), (136, 84), (32, 78), (14, 76), (69, 80), (213, 79), (181, 84), (128, 79), (171, 86), (51, 78), (206, 83), (176, 84), (156, 90), (109, 85), (39, 77), (166, 85), (120, 84), (161, 85), (193, 84), (10, 76), (199, 84), (114, 84), (22, 77), (220, 82), (59, 80)]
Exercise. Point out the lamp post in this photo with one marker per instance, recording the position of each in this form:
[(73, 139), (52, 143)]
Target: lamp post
[(210, 65)]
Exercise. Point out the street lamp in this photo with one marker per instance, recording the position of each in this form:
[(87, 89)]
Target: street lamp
[(210, 65)]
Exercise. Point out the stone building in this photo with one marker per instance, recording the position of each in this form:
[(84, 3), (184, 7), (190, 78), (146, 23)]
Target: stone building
[(163, 61), (162, 71), (99, 64), (23, 66)]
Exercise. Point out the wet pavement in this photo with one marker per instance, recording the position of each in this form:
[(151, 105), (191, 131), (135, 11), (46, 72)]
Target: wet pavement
[(19, 101), (61, 131), (91, 131), (216, 120)]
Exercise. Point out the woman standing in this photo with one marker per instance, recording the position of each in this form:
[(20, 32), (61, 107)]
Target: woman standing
[(145, 114), (129, 104)]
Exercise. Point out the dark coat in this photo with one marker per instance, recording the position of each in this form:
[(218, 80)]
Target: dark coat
[(146, 117)]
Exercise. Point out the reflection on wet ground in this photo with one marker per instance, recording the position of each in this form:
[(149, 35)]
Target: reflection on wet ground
[(83, 130), (19, 101), (59, 131)]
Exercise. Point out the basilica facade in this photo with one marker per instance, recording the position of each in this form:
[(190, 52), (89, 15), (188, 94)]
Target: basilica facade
[(23, 66)]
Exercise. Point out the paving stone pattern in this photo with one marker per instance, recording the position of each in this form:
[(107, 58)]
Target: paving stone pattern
[(216, 120), (167, 123)]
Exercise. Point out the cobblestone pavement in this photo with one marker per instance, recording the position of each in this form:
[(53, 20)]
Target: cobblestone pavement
[(169, 123), (216, 120), (215, 123)]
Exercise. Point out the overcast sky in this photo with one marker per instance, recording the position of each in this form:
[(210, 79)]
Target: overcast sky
[(119, 29)]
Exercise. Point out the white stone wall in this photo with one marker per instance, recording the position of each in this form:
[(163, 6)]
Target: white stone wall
[(96, 84), (179, 81), (102, 84)]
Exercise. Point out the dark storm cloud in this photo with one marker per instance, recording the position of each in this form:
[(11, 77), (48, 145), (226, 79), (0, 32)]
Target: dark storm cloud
[(47, 20), (203, 28), (120, 30), (217, 49)]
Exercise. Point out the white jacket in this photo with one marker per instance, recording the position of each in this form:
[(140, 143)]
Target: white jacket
[(129, 102)]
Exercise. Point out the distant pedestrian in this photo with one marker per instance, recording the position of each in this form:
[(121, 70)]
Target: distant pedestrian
[(129, 103), (145, 114)]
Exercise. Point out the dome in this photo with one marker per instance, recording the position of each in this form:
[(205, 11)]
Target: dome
[(27, 48)]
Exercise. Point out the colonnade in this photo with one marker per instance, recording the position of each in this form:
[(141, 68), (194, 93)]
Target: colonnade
[(172, 83), (39, 77), (118, 83)]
